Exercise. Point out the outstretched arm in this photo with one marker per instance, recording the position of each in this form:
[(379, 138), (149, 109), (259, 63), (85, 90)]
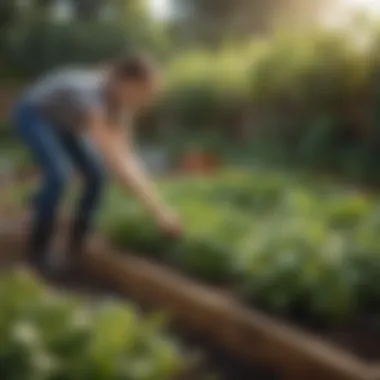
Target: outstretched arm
[(123, 163)]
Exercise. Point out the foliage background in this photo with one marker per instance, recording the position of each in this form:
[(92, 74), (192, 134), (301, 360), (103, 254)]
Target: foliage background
[(266, 80)]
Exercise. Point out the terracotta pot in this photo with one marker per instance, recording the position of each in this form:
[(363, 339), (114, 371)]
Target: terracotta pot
[(199, 162)]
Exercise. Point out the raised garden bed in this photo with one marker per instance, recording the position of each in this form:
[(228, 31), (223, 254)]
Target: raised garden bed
[(203, 359), (48, 334), (302, 252), (253, 335)]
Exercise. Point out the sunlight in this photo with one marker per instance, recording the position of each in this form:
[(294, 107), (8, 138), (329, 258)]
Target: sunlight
[(342, 12), (355, 17), (160, 8), (372, 6)]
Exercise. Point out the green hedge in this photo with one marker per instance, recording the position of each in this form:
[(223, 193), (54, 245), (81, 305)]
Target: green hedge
[(308, 99), (46, 336), (314, 72), (305, 98)]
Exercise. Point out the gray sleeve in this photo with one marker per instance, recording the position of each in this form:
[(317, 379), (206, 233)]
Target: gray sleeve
[(88, 101)]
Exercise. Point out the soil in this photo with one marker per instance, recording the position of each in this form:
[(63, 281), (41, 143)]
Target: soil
[(222, 364), (361, 337)]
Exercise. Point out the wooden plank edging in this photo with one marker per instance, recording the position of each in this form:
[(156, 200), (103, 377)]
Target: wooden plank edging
[(246, 332)]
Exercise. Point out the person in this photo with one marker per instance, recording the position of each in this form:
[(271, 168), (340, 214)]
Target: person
[(78, 118)]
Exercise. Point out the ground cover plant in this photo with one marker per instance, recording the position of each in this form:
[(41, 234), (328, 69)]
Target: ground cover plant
[(295, 247), (46, 336)]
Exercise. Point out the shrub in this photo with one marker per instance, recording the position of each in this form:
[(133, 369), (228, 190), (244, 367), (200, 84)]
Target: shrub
[(307, 99)]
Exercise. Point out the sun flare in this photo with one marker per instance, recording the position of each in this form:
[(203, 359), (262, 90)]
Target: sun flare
[(341, 12), (372, 6)]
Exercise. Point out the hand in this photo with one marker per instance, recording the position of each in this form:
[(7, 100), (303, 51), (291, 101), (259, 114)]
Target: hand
[(170, 224)]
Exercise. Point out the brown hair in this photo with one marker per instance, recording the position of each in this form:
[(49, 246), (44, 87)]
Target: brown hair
[(134, 67)]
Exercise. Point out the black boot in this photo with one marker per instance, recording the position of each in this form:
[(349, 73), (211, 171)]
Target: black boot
[(38, 253), (75, 248)]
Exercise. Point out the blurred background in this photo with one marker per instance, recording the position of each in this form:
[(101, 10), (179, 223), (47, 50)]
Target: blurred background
[(281, 81), (266, 138)]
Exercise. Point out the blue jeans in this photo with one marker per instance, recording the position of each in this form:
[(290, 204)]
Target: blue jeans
[(57, 151)]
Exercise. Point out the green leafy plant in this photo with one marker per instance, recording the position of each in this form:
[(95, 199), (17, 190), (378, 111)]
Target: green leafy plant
[(46, 336), (299, 249)]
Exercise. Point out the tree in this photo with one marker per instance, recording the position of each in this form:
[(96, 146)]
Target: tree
[(7, 13), (8, 17), (211, 21), (37, 43), (93, 9)]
